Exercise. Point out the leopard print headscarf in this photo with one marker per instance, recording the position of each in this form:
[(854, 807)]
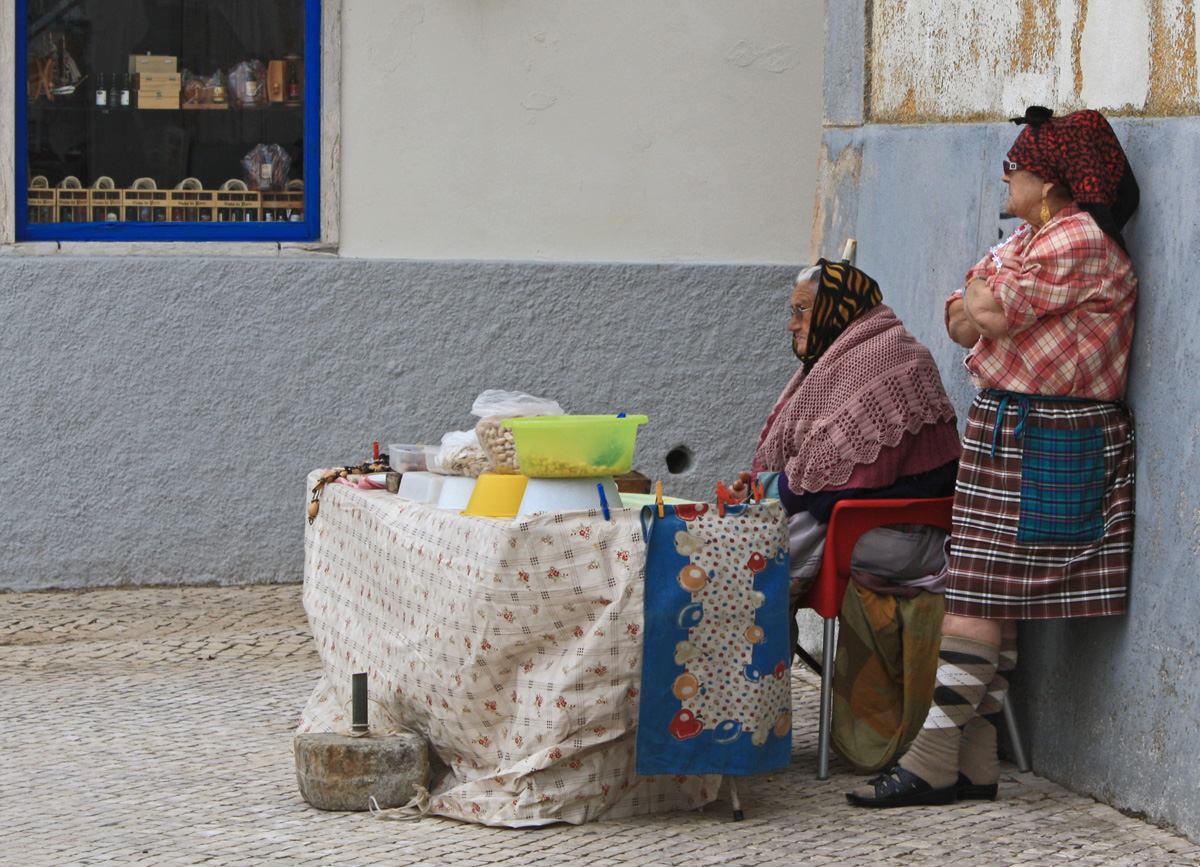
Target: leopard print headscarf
[(843, 294)]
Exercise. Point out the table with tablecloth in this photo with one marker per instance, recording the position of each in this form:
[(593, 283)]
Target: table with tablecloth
[(516, 648)]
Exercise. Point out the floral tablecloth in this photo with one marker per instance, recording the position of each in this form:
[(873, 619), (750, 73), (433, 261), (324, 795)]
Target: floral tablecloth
[(515, 648)]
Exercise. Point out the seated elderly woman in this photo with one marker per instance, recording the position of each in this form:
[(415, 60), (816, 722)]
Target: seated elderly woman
[(865, 416)]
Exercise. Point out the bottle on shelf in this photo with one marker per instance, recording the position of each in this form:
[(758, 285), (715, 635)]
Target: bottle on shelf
[(293, 82), (101, 91), (114, 96), (124, 98), (218, 89)]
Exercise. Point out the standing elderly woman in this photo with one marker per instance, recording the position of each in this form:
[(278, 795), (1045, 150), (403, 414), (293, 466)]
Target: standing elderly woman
[(1043, 510)]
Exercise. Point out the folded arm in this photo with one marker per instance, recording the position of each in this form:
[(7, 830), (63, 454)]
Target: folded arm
[(981, 309), (959, 328)]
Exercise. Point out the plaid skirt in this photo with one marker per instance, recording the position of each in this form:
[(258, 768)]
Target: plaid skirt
[(1043, 509)]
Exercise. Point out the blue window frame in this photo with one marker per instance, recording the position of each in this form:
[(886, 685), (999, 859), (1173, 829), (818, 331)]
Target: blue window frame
[(138, 120)]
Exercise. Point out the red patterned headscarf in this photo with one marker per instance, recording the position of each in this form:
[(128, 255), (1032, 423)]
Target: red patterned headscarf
[(1079, 151)]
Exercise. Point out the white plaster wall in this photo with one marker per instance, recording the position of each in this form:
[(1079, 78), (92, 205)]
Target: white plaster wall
[(961, 59), (1114, 53), (580, 130)]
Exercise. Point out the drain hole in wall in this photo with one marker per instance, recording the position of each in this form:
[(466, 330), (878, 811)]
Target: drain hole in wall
[(679, 460)]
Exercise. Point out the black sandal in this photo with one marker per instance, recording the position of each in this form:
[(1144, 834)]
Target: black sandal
[(901, 788)]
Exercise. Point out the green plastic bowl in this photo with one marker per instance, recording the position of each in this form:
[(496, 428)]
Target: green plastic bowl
[(574, 446)]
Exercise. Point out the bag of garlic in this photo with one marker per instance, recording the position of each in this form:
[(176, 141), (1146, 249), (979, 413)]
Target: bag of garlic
[(494, 406)]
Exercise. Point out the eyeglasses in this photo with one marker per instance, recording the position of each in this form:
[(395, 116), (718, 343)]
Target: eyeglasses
[(1010, 166), (795, 311)]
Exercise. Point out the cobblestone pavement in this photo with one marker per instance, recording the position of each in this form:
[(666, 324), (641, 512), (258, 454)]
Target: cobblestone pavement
[(154, 727)]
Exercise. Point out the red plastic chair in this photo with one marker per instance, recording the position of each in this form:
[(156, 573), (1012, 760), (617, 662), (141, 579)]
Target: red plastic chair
[(850, 519)]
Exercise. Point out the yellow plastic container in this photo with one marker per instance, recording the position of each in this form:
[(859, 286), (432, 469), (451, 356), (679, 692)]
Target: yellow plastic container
[(496, 495), (575, 446)]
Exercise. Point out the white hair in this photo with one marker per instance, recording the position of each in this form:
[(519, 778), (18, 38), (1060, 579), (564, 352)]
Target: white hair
[(809, 273)]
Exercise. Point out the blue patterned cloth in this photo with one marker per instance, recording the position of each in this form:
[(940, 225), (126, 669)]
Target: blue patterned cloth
[(716, 675), (1062, 486)]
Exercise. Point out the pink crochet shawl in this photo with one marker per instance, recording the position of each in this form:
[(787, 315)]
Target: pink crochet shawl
[(874, 384)]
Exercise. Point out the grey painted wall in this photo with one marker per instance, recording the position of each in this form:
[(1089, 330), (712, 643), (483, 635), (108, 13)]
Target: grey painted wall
[(158, 416), (1109, 706)]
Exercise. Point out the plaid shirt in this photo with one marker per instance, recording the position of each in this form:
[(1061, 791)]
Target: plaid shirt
[(1068, 293)]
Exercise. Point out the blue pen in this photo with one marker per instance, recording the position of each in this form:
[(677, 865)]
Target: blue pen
[(603, 500)]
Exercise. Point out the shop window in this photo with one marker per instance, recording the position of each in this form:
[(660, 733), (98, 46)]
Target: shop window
[(169, 120)]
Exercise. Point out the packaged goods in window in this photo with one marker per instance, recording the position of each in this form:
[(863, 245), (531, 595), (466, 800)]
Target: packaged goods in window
[(235, 204), (203, 92), (249, 82), (152, 63), (195, 91), (276, 80), (157, 99), (284, 206), (218, 91), (86, 92), (105, 200), (144, 203), (158, 81), (72, 201), (294, 80), (283, 80), (267, 167)]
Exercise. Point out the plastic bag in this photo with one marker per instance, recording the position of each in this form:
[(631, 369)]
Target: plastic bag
[(460, 455), (494, 407), (248, 81), (267, 167)]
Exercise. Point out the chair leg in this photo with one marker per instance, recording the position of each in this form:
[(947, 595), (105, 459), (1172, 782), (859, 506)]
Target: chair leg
[(826, 702), (1014, 737)]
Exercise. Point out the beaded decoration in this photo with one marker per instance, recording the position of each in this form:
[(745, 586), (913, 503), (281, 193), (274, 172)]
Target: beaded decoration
[(995, 251)]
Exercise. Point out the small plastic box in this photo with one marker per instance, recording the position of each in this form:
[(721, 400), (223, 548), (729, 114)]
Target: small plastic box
[(407, 457)]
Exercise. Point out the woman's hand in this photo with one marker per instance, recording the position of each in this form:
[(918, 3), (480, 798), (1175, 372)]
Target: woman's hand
[(983, 311), (741, 488), (959, 328)]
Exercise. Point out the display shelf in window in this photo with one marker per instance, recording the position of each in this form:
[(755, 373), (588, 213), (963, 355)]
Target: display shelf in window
[(193, 93)]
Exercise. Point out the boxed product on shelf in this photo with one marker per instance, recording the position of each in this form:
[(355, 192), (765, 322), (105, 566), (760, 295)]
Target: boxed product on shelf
[(238, 206), (41, 205), (105, 205), (192, 206), (162, 206), (283, 206), (72, 205), (144, 206), (158, 98), (153, 63), (164, 81)]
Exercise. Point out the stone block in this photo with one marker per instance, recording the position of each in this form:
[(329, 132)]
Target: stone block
[(339, 772)]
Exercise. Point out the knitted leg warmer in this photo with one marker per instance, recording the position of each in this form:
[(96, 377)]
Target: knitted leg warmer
[(977, 759), (965, 668)]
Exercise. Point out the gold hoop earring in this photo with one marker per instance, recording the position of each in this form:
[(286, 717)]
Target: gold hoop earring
[(1045, 215)]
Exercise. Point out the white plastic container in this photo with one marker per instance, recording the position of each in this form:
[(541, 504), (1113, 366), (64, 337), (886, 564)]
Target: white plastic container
[(407, 457), (421, 487), (456, 493), (565, 495)]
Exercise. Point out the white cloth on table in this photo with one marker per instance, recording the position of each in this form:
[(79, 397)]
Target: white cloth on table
[(513, 647)]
